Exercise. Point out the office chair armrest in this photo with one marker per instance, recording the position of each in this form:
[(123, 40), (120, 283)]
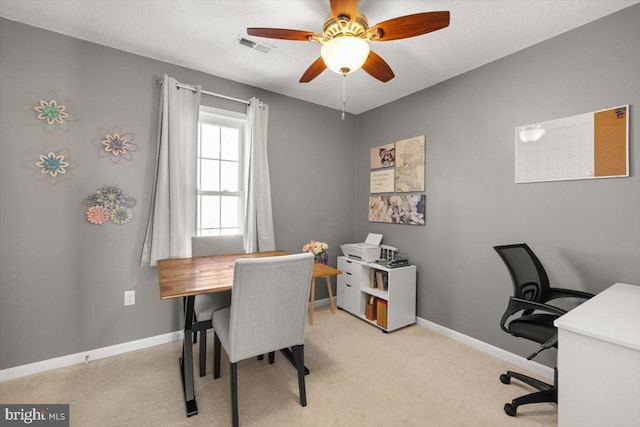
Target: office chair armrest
[(555, 293), (519, 304)]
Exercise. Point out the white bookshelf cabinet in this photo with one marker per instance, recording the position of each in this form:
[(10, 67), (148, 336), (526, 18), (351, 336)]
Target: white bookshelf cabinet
[(354, 289)]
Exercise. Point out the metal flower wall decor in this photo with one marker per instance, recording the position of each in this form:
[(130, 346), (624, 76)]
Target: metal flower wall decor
[(49, 163), (115, 144), (109, 203), (52, 113)]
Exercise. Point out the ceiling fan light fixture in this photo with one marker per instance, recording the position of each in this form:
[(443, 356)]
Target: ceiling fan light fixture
[(345, 54)]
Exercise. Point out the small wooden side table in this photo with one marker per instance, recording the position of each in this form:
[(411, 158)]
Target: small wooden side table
[(321, 270)]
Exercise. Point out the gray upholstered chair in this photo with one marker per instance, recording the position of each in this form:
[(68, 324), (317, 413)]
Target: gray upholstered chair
[(205, 305), (267, 313)]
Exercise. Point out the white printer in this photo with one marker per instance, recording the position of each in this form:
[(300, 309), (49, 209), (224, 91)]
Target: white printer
[(369, 251)]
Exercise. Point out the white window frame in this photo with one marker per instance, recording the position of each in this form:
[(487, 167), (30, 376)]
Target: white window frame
[(231, 119)]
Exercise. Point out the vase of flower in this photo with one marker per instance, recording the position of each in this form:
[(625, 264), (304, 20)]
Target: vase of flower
[(322, 259), (319, 251)]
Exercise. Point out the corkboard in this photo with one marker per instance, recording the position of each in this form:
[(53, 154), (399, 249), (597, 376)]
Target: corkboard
[(610, 142)]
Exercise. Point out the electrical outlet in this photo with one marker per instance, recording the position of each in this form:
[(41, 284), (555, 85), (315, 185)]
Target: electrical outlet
[(129, 297)]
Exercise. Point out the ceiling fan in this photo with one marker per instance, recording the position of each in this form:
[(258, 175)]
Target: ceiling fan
[(345, 34)]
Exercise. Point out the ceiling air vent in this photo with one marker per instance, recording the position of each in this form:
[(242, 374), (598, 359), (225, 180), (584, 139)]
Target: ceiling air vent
[(264, 48)]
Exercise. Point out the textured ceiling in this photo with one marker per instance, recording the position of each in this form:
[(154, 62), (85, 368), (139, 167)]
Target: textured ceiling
[(202, 35)]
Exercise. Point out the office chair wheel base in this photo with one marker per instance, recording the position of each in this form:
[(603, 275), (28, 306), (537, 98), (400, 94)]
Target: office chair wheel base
[(509, 409), (505, 379)]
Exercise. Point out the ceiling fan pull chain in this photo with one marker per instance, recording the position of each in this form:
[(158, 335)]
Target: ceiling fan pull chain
[(344, 90)]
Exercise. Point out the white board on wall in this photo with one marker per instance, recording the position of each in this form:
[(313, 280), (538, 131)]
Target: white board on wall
[(585, 146)]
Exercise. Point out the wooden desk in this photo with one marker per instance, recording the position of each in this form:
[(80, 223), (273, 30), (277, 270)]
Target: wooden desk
[(599, 360), (188, 277), (182, 277)]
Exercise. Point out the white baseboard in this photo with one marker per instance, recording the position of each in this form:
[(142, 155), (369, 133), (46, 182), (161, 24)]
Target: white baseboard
[(75, 359), (535, 367), (321, 302), (78, 358), (90, 355)]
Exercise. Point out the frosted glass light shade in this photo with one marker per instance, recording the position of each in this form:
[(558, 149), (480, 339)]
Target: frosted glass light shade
[(345, 54), (531, 133)]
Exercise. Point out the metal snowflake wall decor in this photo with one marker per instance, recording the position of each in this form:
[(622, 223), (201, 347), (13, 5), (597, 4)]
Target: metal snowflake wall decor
[(52, 113), (115, 144), (49, 163), (109, 203)]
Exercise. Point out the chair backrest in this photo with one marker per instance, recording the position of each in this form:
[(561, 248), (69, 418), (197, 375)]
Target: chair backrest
[(216, 245), (530, 281), (213, 245), (268, 304)]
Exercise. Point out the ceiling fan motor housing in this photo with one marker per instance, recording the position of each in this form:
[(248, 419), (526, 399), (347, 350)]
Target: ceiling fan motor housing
[(345, 27)]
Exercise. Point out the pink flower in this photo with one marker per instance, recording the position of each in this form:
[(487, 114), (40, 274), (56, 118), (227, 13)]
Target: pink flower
[(315, 247), (98, 215)]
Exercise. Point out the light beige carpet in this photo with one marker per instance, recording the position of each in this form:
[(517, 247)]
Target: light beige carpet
[(359, 377)]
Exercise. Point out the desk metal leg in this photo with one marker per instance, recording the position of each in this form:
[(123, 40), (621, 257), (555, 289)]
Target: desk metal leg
[(186, 362), (289, 355)]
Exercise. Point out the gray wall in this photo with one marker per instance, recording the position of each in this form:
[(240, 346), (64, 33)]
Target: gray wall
[(61, 278), (586, 233)]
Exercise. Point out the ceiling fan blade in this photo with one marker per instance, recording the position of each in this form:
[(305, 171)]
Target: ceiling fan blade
[(377, 67), (313, 71), (412, 25), (344, 8), (279, 33)]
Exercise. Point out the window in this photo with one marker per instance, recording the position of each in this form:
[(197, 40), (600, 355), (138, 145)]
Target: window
[(220, 171)]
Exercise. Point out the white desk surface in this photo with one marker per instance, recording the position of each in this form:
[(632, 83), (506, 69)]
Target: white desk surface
[(612, 315)]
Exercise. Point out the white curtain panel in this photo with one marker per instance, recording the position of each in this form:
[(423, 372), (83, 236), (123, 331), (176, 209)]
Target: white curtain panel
[(172, 215), (258, 224)]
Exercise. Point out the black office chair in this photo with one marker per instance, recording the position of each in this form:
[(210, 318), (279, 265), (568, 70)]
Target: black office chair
[(535, 317)]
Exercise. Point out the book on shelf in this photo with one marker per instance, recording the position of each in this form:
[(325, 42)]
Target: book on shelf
[(382, 280)]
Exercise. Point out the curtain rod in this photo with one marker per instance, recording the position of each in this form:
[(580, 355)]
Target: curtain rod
[(217, 95)]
